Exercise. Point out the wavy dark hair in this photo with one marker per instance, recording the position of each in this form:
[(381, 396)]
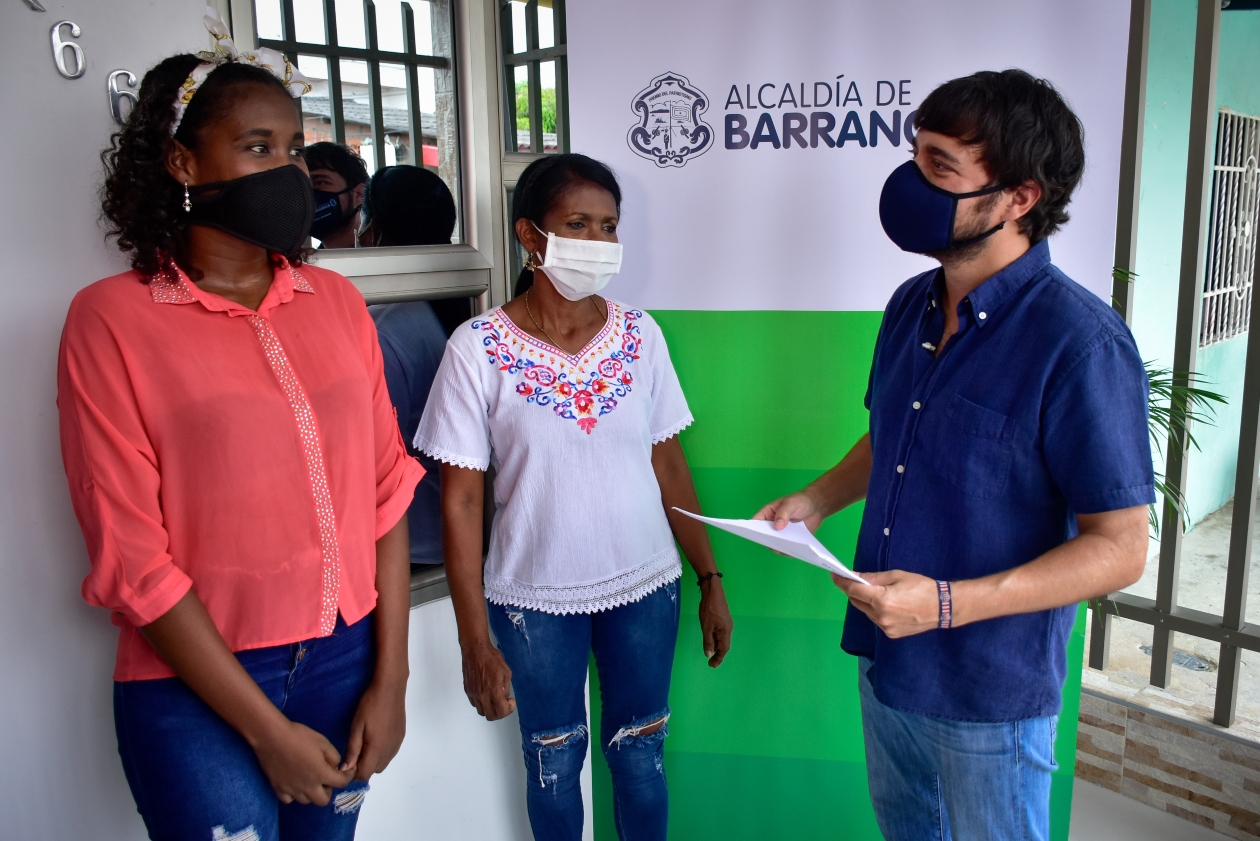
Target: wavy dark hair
[(1026, 133), (544, 181), (141, 203)]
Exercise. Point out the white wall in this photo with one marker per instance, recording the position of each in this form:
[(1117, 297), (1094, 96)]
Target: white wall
[(56, 654), (457, 777)]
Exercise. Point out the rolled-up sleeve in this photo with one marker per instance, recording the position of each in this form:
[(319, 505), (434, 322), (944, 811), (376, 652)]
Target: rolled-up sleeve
[(113, 474), (397, 473)]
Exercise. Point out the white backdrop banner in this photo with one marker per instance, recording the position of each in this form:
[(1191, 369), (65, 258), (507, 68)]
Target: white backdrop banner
[(752, 139)]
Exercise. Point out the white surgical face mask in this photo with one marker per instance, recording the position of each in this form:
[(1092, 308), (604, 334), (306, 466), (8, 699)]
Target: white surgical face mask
[(579, 268)]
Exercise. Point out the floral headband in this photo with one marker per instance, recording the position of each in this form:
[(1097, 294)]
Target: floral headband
[(225, 52)]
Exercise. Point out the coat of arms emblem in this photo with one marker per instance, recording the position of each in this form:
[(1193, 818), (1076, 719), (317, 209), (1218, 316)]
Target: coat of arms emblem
[(669, 130)]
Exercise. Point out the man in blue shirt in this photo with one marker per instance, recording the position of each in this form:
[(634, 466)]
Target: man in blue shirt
[(412, 344), (1006, 472)]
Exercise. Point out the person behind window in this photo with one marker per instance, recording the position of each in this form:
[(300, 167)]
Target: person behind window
[(412, 342), (237, 472), (415, 208), (340, 178), (407, 205), (410, 205), (1006, 472), (574, 400)]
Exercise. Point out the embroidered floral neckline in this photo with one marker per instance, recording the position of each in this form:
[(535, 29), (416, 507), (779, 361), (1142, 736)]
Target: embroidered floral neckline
[(581, 388), (549, 348)]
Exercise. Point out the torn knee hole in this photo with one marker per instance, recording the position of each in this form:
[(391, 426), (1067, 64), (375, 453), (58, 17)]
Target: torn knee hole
[(552, 740), (550, 746), (653, 726), (649, 729), (220, 833), (349, 801)]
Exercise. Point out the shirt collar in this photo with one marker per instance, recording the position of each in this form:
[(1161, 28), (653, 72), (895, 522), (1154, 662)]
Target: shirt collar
[(988, 296), (172, 286)]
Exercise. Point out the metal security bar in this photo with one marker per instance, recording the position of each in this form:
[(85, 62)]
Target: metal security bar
[(1227, 288), (1203, 253), (440, 127), (528, 42)]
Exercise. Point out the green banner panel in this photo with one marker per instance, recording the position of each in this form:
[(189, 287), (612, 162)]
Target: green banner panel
[(770, 744)]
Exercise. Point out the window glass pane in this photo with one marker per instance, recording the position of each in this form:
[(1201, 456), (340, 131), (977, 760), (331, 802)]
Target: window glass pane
[(521, 73), (395, 111), (316, 112), (389, 25), (268, 20), (519, 41), (424, 29), (430, 153), (547, 73), (308, 20), (546, 25), (350, 27), (418, 126), (356, 106)]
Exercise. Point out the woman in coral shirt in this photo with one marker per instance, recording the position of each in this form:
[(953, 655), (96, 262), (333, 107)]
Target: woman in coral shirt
[(236, 468)]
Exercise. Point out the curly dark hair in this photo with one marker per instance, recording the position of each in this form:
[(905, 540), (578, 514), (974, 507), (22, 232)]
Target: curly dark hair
[(141, 203), (1026, 132)]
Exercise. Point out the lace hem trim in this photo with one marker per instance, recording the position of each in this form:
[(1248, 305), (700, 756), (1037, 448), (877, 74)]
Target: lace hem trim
[(673, 430), (588, 598), (450, 458)]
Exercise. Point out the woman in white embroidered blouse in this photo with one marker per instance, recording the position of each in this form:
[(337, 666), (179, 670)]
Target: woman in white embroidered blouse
[(574, 401)]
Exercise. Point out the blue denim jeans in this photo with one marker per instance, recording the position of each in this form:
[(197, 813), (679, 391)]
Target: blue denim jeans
[(935, 779), (634, 655), (194, 778)]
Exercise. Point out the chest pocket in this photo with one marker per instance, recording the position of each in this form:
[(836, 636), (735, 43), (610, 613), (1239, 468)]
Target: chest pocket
[(973, 448)]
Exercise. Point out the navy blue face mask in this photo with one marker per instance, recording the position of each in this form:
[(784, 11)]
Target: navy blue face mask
[(328, 216), (918, 216)]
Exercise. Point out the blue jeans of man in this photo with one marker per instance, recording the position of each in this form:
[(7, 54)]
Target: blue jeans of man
[(634, 655), (935, 779), (194, 777)]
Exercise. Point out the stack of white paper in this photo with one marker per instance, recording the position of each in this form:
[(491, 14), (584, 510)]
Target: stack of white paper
[(795, 540)]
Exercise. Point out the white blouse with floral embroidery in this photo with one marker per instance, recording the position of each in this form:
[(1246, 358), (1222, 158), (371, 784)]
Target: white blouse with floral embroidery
[(579, 525)]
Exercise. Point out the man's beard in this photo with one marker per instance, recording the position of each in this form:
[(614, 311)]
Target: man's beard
[(978, 227)]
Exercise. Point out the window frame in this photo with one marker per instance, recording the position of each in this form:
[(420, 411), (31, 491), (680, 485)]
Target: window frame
[(532, 59), (475, 267)]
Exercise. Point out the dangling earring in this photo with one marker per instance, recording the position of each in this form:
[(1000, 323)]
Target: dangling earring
[(187, 203), (530, 265)]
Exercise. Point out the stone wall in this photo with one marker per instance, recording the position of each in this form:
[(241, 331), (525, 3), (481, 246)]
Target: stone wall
[(1208, 777)]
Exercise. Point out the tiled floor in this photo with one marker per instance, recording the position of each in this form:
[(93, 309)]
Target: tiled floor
[(1102, 815)]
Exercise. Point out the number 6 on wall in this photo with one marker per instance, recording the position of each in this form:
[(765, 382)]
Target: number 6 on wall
[(60, 47), (118, 93)]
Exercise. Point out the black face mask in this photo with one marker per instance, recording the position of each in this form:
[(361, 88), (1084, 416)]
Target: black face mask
[(328, 216), (271, 209)]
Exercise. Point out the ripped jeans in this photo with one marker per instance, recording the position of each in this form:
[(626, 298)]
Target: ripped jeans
[(194, 778), (634, 653)]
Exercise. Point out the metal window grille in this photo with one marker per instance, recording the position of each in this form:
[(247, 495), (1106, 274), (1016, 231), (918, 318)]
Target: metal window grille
[(1231, 239), (369, 97), (535, 76)]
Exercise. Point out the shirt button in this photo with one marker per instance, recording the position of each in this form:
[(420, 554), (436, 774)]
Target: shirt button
[(983, 316), (887, 532), (901, 468), (917, 405)]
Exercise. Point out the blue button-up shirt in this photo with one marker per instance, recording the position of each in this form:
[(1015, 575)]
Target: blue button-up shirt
[(412, 345), (1035, 411)]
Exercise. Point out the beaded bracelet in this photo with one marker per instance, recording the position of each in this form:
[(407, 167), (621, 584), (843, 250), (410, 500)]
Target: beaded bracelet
[(947, 604), (700, 580)]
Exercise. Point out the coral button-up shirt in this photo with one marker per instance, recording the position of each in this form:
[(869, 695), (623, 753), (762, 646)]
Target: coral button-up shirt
[(253, 456)]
